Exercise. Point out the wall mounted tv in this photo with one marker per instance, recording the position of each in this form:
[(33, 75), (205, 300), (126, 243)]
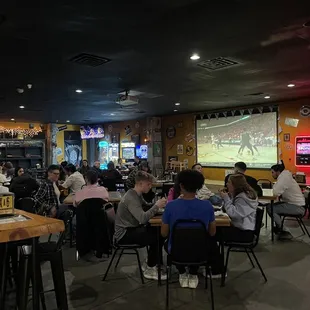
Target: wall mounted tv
[(92, 131)]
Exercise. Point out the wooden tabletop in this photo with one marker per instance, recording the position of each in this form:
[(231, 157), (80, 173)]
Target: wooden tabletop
[(268, 195), (34, 226), (221, 221), (114, 197)]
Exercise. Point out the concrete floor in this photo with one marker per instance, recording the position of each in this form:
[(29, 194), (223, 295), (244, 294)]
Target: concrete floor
[(286, 264)]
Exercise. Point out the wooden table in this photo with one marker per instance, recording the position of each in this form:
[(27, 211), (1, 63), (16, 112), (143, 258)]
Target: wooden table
[(34, 226), (221, 221), (114, 197), (268, 195)]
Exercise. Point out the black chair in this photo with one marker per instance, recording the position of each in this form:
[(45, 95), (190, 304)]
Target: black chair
[(46, 252), (298, 218), (123, 249), (248, 247), (189, 247)]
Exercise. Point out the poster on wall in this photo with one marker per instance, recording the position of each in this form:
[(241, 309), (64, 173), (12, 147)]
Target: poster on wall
[(128, 130), (157, 147), (180, 149), (73, 151)]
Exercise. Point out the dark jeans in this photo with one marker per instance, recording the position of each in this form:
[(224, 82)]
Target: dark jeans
[(234, 234), (146, 236), (215, 260)]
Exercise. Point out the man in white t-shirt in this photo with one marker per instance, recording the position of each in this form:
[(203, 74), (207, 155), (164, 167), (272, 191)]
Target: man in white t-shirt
[(292, 200), (75, 180)]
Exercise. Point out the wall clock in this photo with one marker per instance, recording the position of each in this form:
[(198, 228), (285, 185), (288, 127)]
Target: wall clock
[(170, 132)]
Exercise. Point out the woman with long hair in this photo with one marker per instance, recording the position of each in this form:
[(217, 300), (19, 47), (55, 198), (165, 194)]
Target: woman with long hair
[(240, 203)]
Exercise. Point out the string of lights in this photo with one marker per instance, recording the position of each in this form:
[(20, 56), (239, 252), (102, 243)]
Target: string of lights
[(20, 131)]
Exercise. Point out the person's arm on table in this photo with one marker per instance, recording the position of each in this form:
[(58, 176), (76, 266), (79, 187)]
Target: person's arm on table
[(280, 186), (141, 216), (67, 183)]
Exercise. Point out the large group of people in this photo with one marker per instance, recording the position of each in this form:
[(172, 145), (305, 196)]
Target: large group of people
[(188, 199)]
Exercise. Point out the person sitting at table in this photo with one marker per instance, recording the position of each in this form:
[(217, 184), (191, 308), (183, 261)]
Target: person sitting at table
[(111, 177), (189, 207), (84, 167), (203, 194), (292, 200), (131, 222), (240, 203), (75, 179), (63, 176), (96, 167), (91, 190), (23, 185), (8, 170), (120, 165), (47, 197), (240, 168), (137, 161)]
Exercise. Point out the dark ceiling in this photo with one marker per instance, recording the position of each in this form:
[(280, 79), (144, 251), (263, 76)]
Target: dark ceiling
[(149, 44)]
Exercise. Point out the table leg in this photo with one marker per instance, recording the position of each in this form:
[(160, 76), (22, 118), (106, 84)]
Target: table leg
[(272, 223), (222, 249), (158, 257), (3, 274), (35, 293)]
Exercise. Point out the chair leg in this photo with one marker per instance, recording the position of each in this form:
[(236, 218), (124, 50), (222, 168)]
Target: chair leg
[(300, 225), (305, 228), (59, 280), (248, 254), (139, 264), (110, 264), (266, 218), (167, 287), (211, 288), (24, 271), (3, 275), (226, 265), (71, 233), (258, 264), (206, 278), (119, 258), (282, 222), (41, 286)]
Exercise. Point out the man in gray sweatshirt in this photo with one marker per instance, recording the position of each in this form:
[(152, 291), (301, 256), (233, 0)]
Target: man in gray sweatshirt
[(131, 222)]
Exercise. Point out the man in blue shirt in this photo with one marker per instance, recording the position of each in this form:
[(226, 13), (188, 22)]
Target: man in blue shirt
[(188, 207)]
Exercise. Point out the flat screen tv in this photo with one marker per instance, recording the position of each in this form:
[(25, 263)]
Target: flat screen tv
[(128, 153), (92, 131), (141, 151)]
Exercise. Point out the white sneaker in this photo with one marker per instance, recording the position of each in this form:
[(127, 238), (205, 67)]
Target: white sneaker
[(151, 273), (183, 279), (144, 265), (192, 281), (214, 276)]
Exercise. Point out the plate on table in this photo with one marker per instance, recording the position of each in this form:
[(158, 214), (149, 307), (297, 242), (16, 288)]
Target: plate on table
[(220, 213)]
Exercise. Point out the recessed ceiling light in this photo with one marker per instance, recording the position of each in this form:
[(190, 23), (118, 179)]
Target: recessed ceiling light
[(12, 119), (78, 91), (291, 85), (112, 114), (175, 110), (178, 103), (68, 121), (195, 57), (22, 107), (267, 97)]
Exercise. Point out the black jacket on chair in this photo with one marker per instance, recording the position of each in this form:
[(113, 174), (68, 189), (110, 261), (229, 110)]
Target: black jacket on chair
[(91, 230)]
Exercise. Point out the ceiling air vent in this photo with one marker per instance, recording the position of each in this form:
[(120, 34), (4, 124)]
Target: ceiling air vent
[(89, 60), (218, 63)]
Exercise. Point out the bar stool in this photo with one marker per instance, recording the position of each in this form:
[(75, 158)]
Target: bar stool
[(47, 252)]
